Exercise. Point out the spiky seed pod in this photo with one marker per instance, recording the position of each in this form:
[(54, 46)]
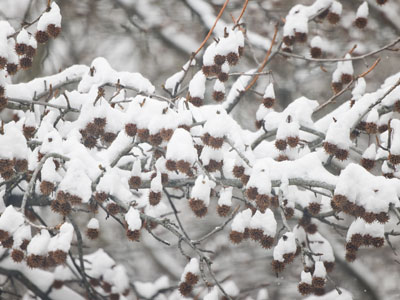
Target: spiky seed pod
[(3, 62), (338, 201), (35, 261), (367, 239), (238, 171), (114, 296), (59, 256), (288, 40), (304, 288), (100, 197), (342, 154), (90, 142), (20, 165), (93, 129), (191, 278), (20, 48), (46, 187), (318, 282), (170, 165), (252, 193), (53, 30), (92, 233), (196, 101), (135, 182), (12, 68), (369, 217), (288, 258), (28, 131), (185, 288), (223, 77), (267, 241), (74, 200), (130, 129), (371, 128), (198, 207), (218, 96), (378, 242), (215, 69), (7, 175), (350, 247), (24, 244), (394, 159), (278, 266), (289, 212), (256, 234), (113, 208), (41, 37), (58, 284), (25, 63), (6, 165), (293, 141), (155, 139), (8, 243), (154, 198), (17, 255), (30, 52), (349, 207), (245, 179), (333, 18), (316, 52), (64, 208), (94, 282), (223, 210), (232, 58), (166, 134), (214, 165), (368, 164), (183, 166), (219, 59), (133, 235), (329, 265), (314, 208), (361, 22), (336, 87), (346, 78), (263, 202), (382, 217), (108, 137), (300, 37), (311, 228), (280, 144), (351, 256), (236, 237), (4, 235), (106, 286), (199, 149), (205, 138), (206, 70), (356, 240), (268, 102), (143, 133)]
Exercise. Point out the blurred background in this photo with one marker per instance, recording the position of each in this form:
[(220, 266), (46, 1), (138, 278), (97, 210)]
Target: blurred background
[(156, 38)]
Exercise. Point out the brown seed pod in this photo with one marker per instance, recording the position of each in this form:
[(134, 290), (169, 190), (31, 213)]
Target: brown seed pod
[(3, 62), (143, 133), (206, 70), (316, 52), (289, 212), (12, 68), (245, 179), (41, 37), (90, 142), (338, 201), (130, 129), (268, 102), (92, 233), (223, 77), (4, 235), (113, 208), (280, 144), (346, 78), (232, 58), (342, 154), (185, 288), (300, 37), (218, 96), (368, 164), (166, 134), (333, 18), (318, 282), (236, 237), (336, 87), (293, 141), (28, 131), (53, 30), (361, 22), (288, 258), (6, 165), (183, 166), (3, 103), (155, 139), (25, 63), (378, 242), (252, 193), (191, 278), (198, 207), (17, 255), (20, 165), (135, 182), (106, 287), (381, 2), (256, 234), (223, 210), (215, 69), (46, 187), (100, 197), (288, 40), (278, 266), (304, 288), (369, 217), (133, 235), (263, 202), (8, 243), (329, 265), (30, 52), (319, 291), (267, 241), (394, 159), (214, 165), (356, 240), (219, 59), (311, 228), (58, 284), (154, 198), (24, 244), (196, 101), (382, 217), (314, 208), (59, 256), (351, 256), (371, 128), (35, 261), (108, 137), (350, 247)]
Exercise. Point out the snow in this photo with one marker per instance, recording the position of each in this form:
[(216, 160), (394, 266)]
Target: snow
[(38, 244), (98, 263), (197, 86), (181, 146), (132, 218), (260, 179), (362, 11), (149, 289), (237, 87), (336, 7), (269, 91), (227, 45), (265, 221), (306, 277), (62, 241), (213, 295), (319, 270), (209, 54), (320, 245), (317, 42), (171, 82), (76, 181), (219, 86), (191, 267), (11, 220), (225, 196), (49, 173), (23, 37), (155, 184), (370, 152), (332, 295), (51, 17), (202, 188), (13, 143), (346, 66), (242, 220), (359, 88), (231, 288), (286, 245), (338, 135), (6, 29), (395, 146), (93, 224), (22, 233)]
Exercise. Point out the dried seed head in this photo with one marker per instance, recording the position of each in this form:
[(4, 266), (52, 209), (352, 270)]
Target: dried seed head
[(268, 102), (369, 217), (301, 37), (12, 69), (154, 198), (304, 288), (191, 278), (113, 208), (314, 208), (378, 242), (394, 159), (319, 291), (356, 240), (350, 247), (281, 144), (236, 237), (215, 69), (214, 165), (28, 131), (166, 134), (17, 255), (6, 165), (90, 142), (58, 284), (361, 22), (25, 62), (183, 166), (206, 70), (382, 217), (238, 171), (7, 175), (316, 52), (289, 212), (196, 101), (30, 52), (20, 48), (135, 182), (185, 288), (252, 193), (256, 234), (288, 258), (287, 49), (336, 87), (41, 37), (35, 261), (155, 139), (293, 141), (106, 287), (3, 62), (108, 137), (371, 128), (4, 235), (288, 40), (368, 164), (143, 134), (342, 154), (245, 178), (223, 77), (267, 241), (232, 58), (333, 18), (21, 165), (59, 256), (329, 265), (346, 78), (381, 2), (215, 142), (46, 187), (92, 233), (311, 228), (130, 129), (8, 243), (170, 165), (198, 207), (351, 256), (278, 266), (53, 30), (219, 59), (223, 210), (133, 235), (318, 282), (263, 202), (218, 96), (100, 197)]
